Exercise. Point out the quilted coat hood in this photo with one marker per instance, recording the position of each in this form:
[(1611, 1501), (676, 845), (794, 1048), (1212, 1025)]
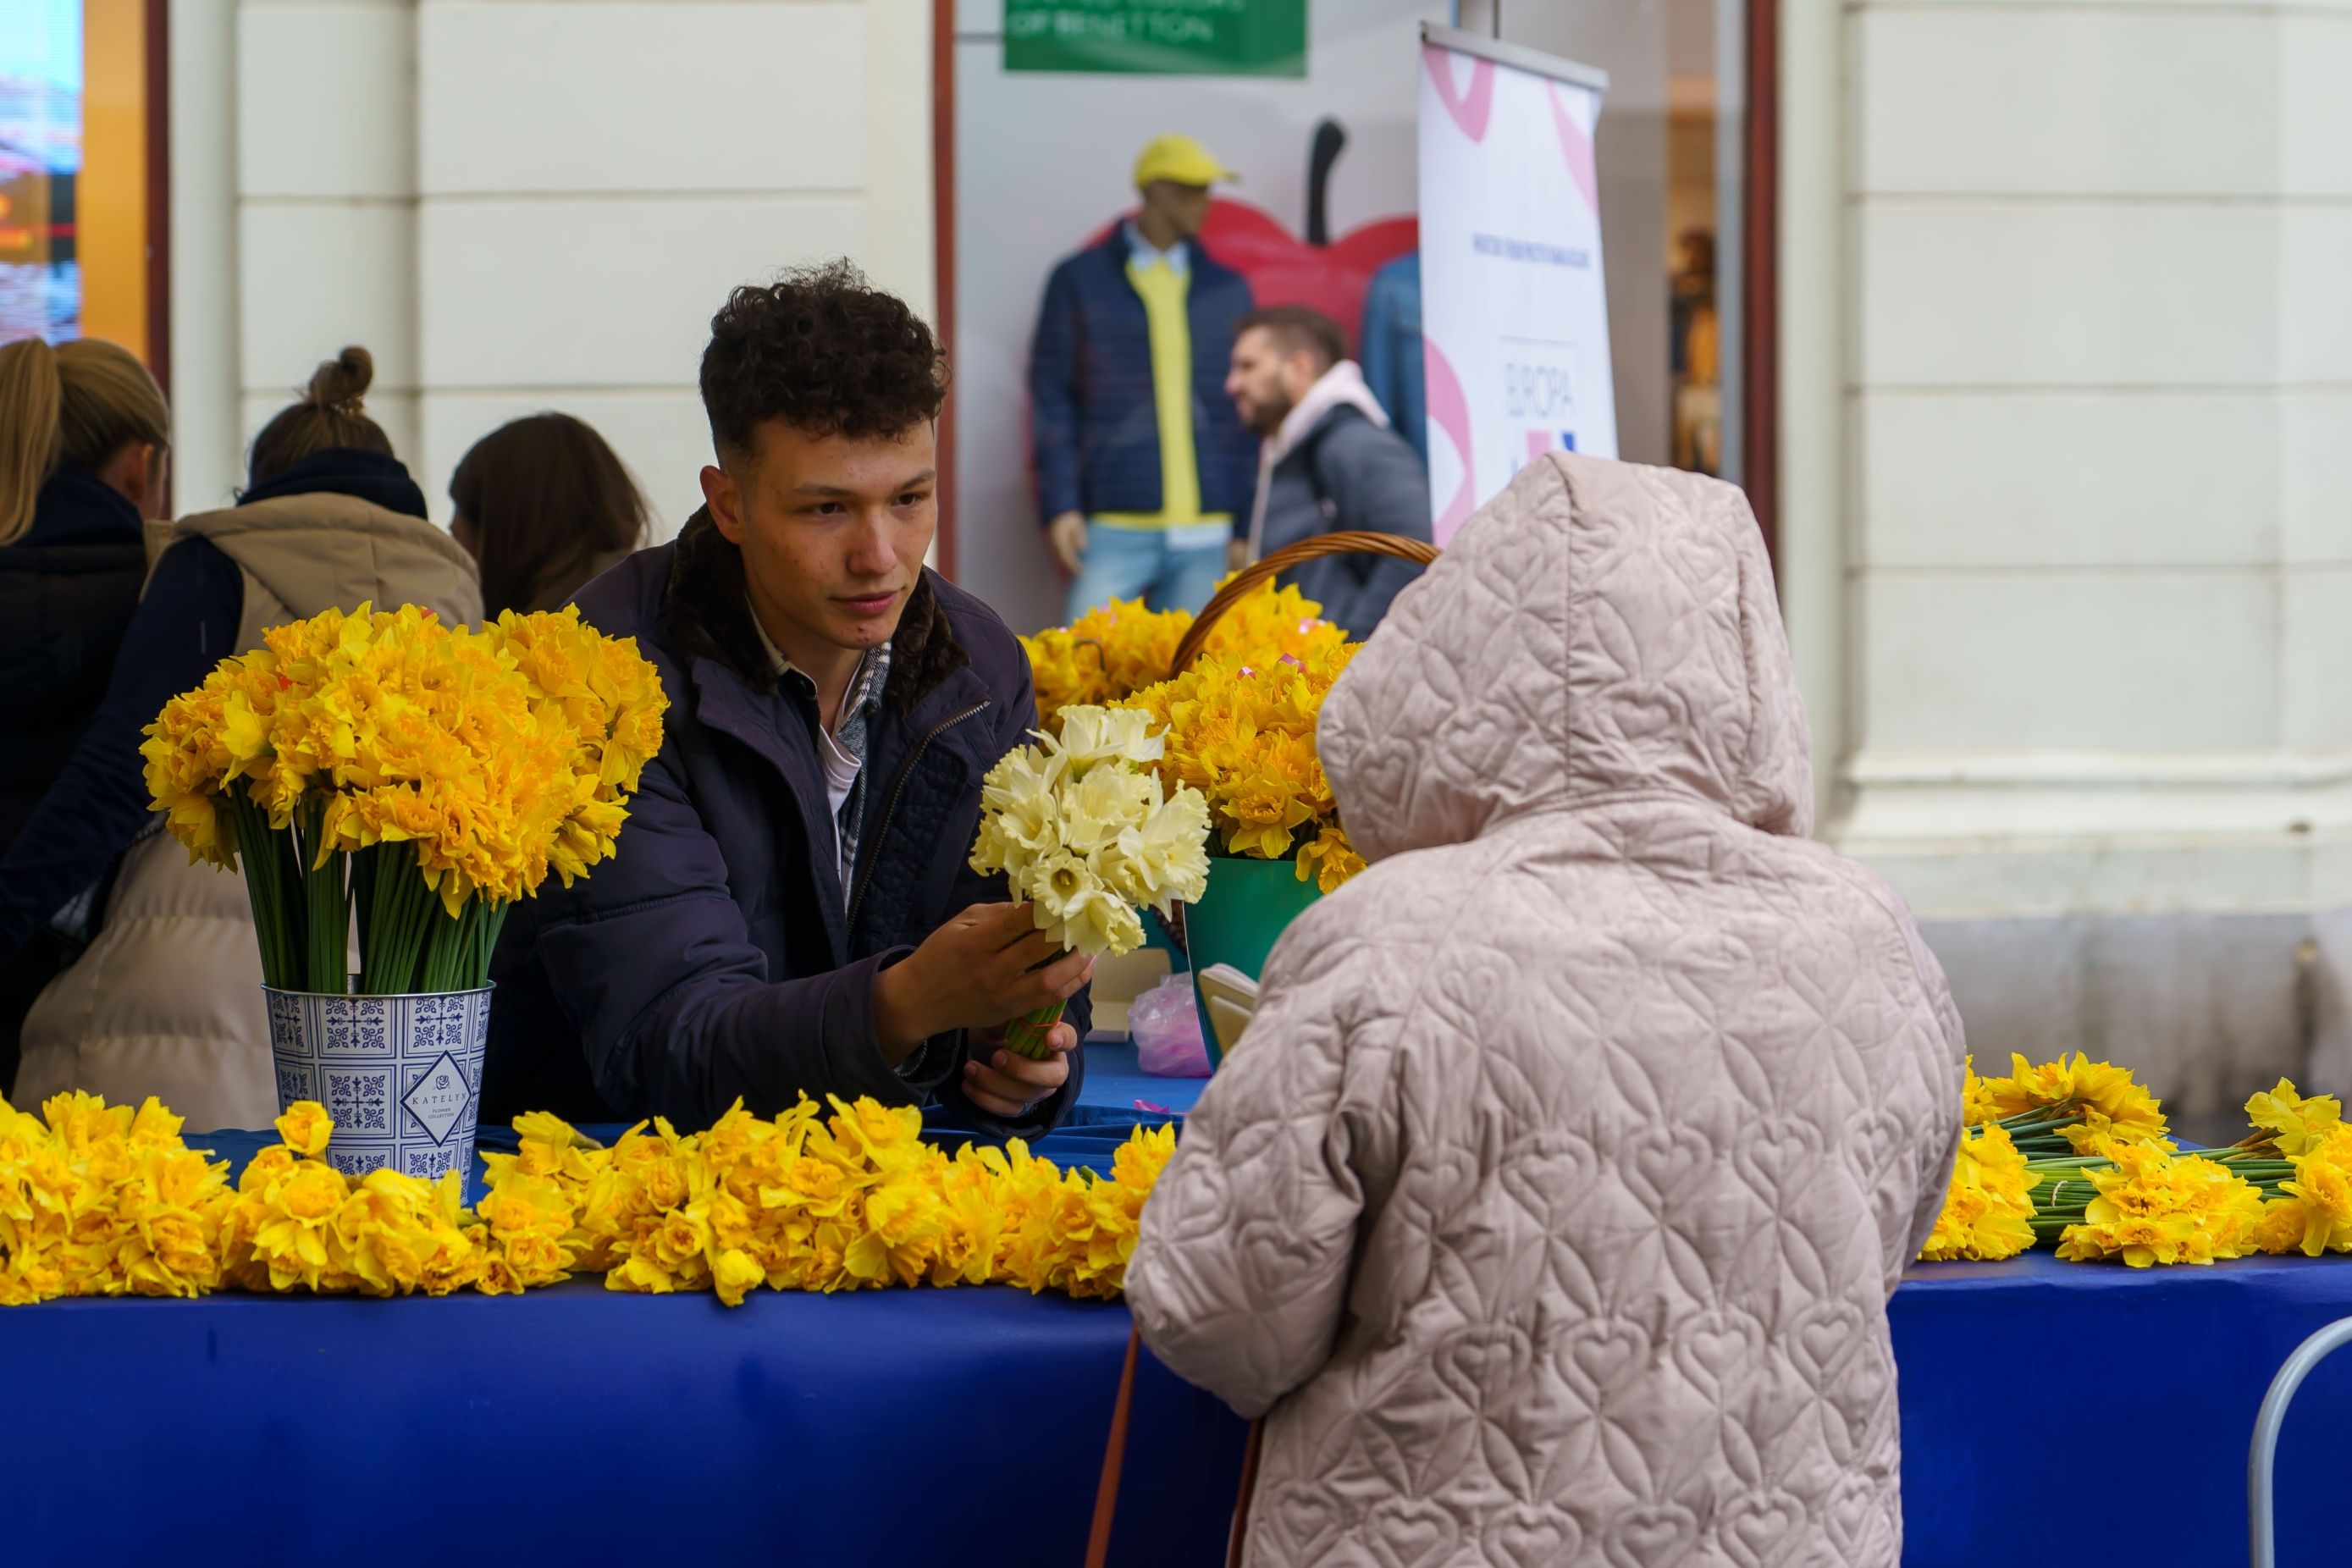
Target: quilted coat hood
[(1599, 631)]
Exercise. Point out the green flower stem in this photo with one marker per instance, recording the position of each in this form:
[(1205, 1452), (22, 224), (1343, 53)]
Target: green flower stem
[(2064, 1113), (398, 915), (450, 949), (265, 858), (2044, 1125), (363, 891), (1026, 1035), (493, 921), (327, 906), (410, 941)]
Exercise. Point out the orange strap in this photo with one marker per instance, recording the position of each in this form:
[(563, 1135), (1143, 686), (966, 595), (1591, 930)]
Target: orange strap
[(1114, 1456), (1115, 1459), (1242, 1503)]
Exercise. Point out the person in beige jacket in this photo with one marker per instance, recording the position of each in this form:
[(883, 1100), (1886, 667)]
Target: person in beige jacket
[(1550, 1205), (166, 1000)]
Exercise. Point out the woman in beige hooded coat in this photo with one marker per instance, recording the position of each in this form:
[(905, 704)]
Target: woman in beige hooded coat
[(1551, 1203)]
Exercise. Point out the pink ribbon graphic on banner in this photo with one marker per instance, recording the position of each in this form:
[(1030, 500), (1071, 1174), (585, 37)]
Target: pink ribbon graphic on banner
[(1469, 110), (1575, 147), (1449, 410)]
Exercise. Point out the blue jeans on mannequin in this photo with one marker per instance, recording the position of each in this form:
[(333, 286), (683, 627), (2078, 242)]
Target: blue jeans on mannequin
[(1167, 568)]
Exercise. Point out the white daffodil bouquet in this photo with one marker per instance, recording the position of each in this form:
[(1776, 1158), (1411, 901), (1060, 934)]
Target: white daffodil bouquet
[(1082, 827)]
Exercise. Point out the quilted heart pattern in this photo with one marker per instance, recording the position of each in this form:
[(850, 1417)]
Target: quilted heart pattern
[(1551, 1206)]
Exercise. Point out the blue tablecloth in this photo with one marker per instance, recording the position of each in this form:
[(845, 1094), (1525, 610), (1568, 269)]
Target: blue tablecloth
[(1118, 1090), (2094, 1414), (900, 1427)]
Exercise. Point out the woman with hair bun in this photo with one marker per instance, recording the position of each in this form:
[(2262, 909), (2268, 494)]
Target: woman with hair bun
[(167, 998)]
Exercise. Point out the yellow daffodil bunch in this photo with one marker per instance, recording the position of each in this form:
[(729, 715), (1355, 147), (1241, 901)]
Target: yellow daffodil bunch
[(2151, 1205), (1240, 724), (384, 760), (2312, 1213), (2105, 1182), (2059, 1105), (2083, 1148), (804, 1201), (1242, 731), (1975, 1101), (298, 1222), (1103, 656), (1117, 650), (1077, 1234), (1988, 1207), (1083, 827), (100, 1200), (532, 1213), (2289, 1125)]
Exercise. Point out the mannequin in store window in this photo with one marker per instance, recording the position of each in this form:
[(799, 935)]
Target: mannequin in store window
[(1141, 465)]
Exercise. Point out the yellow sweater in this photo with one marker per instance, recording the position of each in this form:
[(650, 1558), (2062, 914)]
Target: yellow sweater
[(1163, 291)]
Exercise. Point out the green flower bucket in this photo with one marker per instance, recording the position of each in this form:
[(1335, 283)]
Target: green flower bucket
[(1249, 903)]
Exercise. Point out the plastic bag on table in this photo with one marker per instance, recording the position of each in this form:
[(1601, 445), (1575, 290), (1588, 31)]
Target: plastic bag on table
[(1166, 1027)]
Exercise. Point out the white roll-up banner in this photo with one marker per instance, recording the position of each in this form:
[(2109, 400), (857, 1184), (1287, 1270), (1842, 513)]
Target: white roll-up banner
[(1515, 319)]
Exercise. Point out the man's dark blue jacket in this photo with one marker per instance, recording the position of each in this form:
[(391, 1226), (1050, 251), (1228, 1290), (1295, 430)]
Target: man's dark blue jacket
[(712, 956), (1094, 420)]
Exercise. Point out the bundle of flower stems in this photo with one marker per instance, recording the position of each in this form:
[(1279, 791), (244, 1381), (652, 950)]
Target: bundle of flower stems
[(2092, 1150), (2067, 1189)]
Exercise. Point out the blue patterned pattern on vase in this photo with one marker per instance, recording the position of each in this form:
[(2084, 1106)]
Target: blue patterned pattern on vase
[(358, 1101), (294, 1082), (358, 1025), (400, 1074), (358, 1162), (437, 1024), (428, 1164), (285, 1019)]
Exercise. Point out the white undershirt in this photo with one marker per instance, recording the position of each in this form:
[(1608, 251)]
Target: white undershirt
[(841, 769)]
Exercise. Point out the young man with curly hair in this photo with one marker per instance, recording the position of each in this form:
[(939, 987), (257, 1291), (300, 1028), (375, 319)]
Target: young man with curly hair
[(790, 909)]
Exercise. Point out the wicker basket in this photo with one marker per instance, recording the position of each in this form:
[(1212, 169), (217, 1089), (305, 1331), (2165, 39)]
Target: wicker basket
[(1283, 560), (1249, 577)]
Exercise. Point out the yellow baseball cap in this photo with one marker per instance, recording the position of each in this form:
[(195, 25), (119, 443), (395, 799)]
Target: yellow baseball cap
[(1183, 160)]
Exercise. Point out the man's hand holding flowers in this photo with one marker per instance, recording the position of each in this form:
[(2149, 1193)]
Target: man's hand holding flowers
[(985, 967)]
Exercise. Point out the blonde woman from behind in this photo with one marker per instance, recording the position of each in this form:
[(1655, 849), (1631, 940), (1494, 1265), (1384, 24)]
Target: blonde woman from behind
[(83, 441), (167, 1000)]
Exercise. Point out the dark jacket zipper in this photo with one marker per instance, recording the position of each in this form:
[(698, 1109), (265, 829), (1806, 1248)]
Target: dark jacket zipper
[(883, 828)]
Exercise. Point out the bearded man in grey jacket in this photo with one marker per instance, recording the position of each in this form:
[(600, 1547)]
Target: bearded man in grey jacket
[(1330, 462)]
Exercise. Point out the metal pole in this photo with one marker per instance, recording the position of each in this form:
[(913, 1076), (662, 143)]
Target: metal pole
[(2264, 1457)]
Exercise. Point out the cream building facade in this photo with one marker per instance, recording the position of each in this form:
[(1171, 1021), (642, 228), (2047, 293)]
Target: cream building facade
[(2066, 391), (522, 205)]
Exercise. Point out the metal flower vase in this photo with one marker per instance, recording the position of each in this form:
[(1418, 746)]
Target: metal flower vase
[(1248, 905), (401, 1076)]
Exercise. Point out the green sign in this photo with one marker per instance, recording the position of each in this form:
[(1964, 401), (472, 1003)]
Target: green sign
[(1165, 37)]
